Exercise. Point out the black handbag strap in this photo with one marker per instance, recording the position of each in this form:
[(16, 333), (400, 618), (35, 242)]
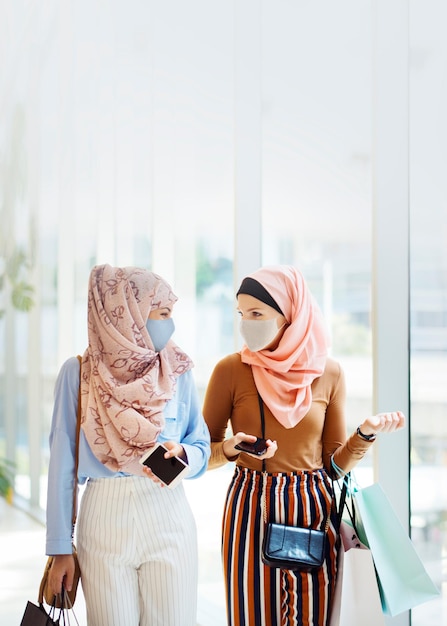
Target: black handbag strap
[(261, 410), (343, 504), (344, 492), (264, 500)]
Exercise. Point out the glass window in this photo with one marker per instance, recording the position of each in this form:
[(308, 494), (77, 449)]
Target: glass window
[(428, 306), (317, 169)]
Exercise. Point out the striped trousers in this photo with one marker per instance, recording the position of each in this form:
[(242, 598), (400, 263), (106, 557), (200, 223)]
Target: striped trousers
[(256, 594), (137, 549)]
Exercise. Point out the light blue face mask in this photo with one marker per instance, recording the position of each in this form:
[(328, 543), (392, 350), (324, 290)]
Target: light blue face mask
[(160, 332)]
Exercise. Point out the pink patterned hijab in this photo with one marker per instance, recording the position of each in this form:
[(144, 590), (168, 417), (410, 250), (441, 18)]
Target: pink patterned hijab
[(125, 384), (283, 376)]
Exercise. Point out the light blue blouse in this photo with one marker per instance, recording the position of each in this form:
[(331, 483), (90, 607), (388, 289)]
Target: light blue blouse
[(184, 423)]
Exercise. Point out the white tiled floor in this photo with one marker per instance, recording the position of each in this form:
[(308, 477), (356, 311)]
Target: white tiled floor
[(22, 558)]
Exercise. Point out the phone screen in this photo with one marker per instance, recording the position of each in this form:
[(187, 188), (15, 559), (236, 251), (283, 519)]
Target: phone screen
[(167, 470), (258, 447)]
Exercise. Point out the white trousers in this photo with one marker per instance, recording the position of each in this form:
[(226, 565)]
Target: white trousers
[(137, 549)]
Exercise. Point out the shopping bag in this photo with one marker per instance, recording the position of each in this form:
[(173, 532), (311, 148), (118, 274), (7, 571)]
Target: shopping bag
[(36, 615), (403, 580), (356, 598)]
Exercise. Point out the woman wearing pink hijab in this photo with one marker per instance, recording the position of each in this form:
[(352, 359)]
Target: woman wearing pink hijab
[(282, 387), (136, 540)]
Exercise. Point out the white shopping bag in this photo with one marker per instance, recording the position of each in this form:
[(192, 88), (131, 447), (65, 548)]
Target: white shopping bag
[(357, 599)]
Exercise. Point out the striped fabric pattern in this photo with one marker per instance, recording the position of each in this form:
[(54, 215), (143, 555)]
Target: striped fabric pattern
[(137, 548), (258, 595)]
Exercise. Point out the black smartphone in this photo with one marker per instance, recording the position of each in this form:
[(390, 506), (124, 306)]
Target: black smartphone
[(257, 448), (170, 471)]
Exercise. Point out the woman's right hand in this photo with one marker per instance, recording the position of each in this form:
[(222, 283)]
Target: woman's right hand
[(61, 573), (230, 451)]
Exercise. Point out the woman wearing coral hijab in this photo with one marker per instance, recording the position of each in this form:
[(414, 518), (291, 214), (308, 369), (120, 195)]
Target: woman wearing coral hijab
[(302, 393), (136, 540)]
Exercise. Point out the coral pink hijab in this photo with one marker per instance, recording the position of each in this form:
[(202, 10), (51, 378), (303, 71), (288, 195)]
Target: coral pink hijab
[(283, 376), (125, 384)]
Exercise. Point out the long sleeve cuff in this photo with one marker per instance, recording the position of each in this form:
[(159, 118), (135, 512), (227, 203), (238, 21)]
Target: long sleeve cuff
[(348, 455), (54, 548), (218, 458)]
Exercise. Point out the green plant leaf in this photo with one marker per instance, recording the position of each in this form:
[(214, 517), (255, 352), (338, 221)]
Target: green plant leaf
[(14, 264), (22, 296), (6, 476)]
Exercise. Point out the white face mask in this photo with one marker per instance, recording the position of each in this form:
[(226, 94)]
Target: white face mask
[(258, 334)]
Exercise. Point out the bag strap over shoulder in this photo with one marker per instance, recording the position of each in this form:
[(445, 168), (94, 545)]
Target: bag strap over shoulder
[(78, 431), (264, 502)]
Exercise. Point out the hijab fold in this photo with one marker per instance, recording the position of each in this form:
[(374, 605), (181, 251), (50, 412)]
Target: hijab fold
[(284, 376), (125, 384)]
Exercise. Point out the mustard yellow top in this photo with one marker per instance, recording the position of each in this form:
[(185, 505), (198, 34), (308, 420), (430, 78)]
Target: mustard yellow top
[(231, 399)]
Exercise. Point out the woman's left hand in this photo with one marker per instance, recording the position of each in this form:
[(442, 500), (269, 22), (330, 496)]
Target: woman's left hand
[(383, 423), (272, 447), (173, 449)]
